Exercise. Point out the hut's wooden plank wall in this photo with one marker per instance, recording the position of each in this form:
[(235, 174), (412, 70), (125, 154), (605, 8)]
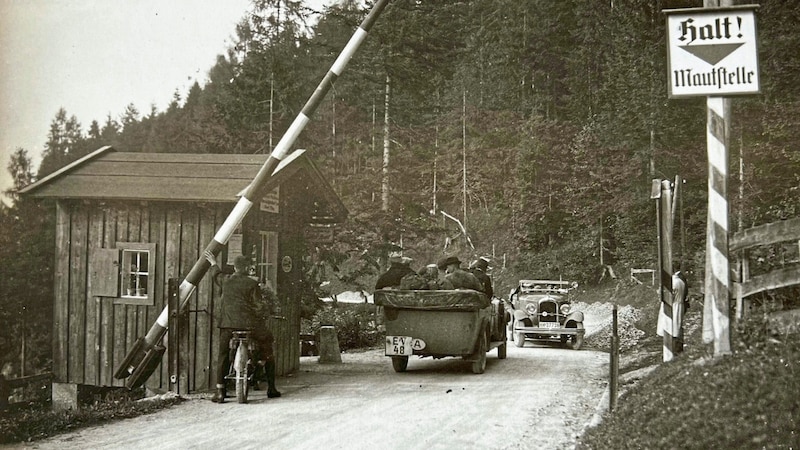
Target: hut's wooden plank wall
[(93, 334)]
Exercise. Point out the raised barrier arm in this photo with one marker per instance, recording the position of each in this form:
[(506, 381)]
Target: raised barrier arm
[(146, 353)]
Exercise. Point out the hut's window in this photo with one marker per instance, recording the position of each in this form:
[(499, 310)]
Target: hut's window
[(137, 273)]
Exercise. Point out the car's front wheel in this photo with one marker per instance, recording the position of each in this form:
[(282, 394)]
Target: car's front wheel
[(576, 341)]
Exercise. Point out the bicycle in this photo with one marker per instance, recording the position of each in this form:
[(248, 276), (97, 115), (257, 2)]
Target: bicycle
[(242, 368)]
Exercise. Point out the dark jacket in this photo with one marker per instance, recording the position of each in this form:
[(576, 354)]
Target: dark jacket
[(462, 279), (485, 281), (392, 277), (241, 301)]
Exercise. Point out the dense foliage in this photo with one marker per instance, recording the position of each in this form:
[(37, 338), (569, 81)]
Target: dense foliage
[(539, 125), (356, 324)]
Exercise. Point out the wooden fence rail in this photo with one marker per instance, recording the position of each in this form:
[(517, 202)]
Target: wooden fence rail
[(768, 234), (7, 387)]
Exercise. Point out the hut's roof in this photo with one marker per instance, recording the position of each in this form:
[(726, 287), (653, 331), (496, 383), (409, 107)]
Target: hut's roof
[(111, 175)]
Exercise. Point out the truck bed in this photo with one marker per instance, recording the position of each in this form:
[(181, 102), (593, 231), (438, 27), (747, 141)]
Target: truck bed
[(452, 300)]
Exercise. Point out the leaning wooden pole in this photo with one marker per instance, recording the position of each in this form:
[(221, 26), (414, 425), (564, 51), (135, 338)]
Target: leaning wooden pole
[(146, 353)]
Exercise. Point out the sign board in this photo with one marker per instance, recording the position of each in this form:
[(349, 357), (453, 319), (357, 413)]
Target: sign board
[(712, 51), (271, 201)]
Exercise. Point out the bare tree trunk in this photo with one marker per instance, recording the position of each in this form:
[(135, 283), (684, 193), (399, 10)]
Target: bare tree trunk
[(24, 350), (271, 102), (435, 153), (333, 126), (464, 153), (740, 212), (385, 180)]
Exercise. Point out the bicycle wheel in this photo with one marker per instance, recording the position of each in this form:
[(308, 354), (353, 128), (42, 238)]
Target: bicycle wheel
[(240, 366)]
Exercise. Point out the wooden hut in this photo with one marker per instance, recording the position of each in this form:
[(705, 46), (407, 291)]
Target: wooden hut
[(126, 223)]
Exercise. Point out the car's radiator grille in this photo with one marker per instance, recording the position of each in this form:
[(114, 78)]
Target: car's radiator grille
[(551, 308)]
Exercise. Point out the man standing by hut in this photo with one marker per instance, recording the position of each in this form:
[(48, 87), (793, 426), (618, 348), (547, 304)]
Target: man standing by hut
[(242, 309)]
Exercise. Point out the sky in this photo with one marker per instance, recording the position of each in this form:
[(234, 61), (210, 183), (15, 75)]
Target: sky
[(95, 57)]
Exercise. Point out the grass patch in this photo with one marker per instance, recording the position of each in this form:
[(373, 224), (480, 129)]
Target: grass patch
[(36, 421), (746, 400)]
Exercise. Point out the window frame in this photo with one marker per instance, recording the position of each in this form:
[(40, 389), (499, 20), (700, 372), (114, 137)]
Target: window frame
[(148, 299)]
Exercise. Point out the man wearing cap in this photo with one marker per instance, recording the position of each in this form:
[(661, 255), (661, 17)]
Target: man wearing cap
[(481, 266), (399, 266), (243, 308), (434, 282), (461, 279)]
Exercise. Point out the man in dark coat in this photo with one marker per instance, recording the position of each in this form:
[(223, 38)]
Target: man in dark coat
[(481, 266), (461, 279), (399, 266), (243, 308)]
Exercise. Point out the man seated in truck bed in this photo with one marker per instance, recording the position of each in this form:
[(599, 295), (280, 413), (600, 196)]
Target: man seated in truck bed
[(399, 266), (460, 278)]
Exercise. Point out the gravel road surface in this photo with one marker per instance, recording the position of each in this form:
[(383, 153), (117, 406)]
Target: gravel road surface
[(539, 397)]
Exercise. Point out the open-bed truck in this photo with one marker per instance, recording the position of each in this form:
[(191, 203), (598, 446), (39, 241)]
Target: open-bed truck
[(444, 323)]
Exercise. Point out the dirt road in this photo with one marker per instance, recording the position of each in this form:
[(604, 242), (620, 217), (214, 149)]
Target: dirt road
[(539, 397)]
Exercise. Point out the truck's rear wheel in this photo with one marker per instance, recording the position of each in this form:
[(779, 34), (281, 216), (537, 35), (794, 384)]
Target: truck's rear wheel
[(399, 363), (479, 363)]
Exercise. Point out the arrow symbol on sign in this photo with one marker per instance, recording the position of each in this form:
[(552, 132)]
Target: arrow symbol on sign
[(712, 54)]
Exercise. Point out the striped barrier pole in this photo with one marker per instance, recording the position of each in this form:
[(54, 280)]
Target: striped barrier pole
[(717, 273), (146, 353)]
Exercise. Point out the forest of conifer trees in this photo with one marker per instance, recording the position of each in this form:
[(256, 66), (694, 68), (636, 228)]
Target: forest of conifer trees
[(538, 124)]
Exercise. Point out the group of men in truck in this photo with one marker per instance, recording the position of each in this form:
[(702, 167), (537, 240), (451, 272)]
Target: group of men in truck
[(446, 274)]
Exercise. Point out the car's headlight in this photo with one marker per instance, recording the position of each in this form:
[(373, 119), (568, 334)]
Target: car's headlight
[(565, 308), (530, 308)]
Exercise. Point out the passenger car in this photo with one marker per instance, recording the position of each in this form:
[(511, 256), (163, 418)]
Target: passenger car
[(542, 310)]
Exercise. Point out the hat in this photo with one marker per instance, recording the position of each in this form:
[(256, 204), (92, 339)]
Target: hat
[(482, 263), (444, 262)]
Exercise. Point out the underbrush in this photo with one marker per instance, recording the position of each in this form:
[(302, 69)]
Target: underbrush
[(356, 325), (744, 400), (37, 420)]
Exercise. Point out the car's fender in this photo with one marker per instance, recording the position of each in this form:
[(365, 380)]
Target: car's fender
[(520, 314), (575, 316)]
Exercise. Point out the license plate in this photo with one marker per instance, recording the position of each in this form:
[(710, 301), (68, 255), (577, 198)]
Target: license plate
[(403, 345), (549, 325)]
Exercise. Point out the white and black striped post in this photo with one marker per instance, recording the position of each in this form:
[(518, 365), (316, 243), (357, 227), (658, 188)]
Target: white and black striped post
[(716, 323), (143, 358)]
